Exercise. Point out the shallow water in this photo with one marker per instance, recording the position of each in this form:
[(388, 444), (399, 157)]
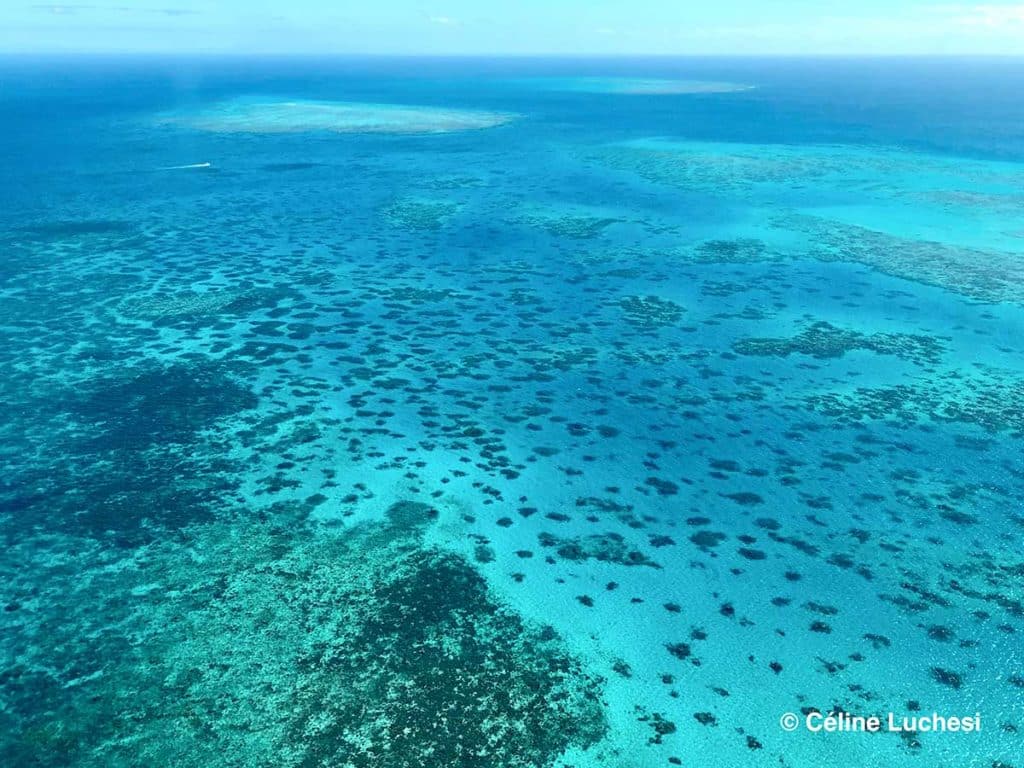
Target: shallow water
[(554, 425)]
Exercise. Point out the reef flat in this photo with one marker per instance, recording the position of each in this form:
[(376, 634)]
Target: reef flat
[(250, 115)]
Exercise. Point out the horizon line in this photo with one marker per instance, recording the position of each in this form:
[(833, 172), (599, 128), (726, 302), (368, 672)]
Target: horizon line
[(512, 55)]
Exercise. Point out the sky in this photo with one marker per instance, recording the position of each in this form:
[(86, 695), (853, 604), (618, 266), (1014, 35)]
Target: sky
[(518, 27)]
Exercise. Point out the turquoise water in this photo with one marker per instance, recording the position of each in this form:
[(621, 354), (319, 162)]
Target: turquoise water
[(510, 413)]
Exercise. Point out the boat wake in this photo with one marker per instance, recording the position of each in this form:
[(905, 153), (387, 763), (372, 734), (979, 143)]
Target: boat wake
[(185, 167)]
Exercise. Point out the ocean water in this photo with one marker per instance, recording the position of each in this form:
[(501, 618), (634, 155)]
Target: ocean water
[(373, 412)]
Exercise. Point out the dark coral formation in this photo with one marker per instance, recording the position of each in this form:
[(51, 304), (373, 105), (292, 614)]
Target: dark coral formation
[(984, 275), (738, 251), (365, 649), (991, 399), (432, 671), (420, 214), (128, 440), (650, 312), (574, 226), (604, 547), (823, 340)]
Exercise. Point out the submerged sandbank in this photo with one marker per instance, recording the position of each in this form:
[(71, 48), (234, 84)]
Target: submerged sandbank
[(251, 115)]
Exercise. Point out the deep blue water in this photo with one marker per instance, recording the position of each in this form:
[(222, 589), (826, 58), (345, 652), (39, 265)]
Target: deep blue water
[(380, 412)]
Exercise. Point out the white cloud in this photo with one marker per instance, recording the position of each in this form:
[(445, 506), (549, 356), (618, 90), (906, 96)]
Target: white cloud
[(989, 15), (947, 28), (444, 21), (64, 10)]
